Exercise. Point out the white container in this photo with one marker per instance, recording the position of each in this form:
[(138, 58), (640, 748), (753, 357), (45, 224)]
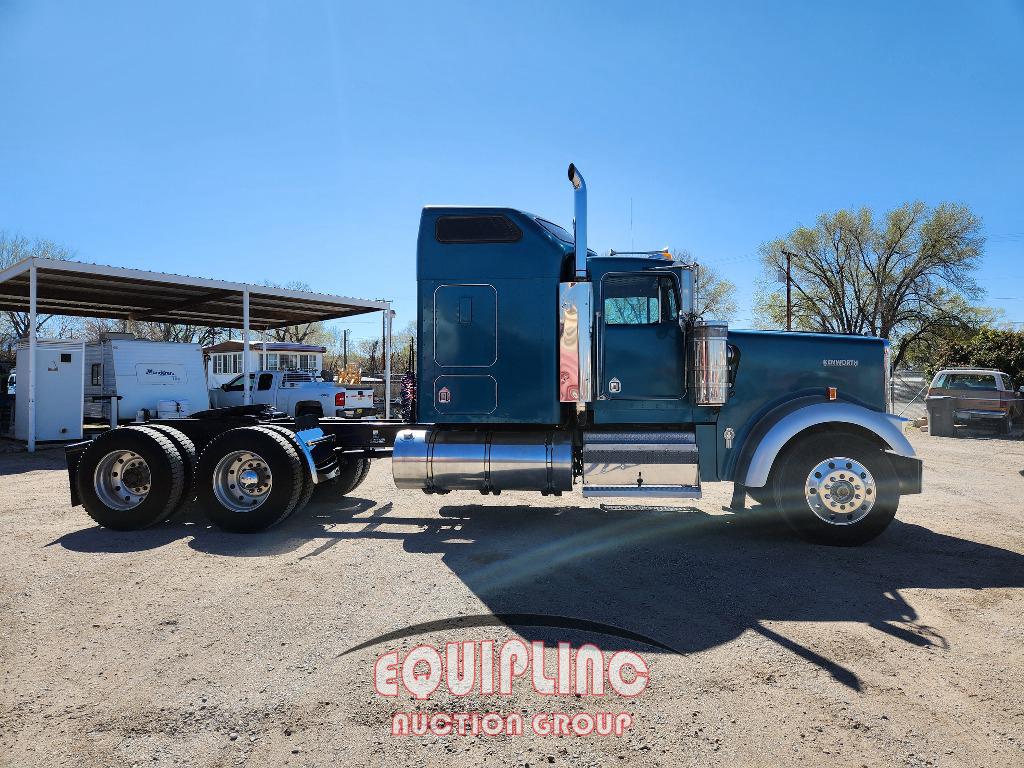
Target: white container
[(173, 409), (59, 364)]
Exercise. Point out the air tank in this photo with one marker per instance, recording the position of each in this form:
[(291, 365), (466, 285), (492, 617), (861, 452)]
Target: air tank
[(710, 363)]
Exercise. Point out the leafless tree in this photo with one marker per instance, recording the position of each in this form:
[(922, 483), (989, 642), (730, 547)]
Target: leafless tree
[(304, 333), (15, 325)]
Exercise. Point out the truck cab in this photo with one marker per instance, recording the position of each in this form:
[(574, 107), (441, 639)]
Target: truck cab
[(543, 365)]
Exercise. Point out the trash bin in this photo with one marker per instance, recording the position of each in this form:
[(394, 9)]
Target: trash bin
[(6, 411), (940, 416)]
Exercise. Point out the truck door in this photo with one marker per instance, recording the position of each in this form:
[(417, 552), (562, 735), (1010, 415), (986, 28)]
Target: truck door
[(231, 393), (261, 389), (641, 355), (264, 390)]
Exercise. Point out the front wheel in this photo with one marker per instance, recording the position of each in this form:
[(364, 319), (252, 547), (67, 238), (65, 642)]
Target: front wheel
[(837, 489)]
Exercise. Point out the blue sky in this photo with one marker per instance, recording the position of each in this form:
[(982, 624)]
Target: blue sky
[(298, 141)]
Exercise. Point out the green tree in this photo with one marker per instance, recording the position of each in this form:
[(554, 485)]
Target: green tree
[(908, 278), (997, 348), (716, 296)]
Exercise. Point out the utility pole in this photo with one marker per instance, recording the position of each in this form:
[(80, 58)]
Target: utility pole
[(789, 288), (344, 349)]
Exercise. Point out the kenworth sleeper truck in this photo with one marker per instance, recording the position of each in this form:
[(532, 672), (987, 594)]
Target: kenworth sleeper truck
[(543, 366)]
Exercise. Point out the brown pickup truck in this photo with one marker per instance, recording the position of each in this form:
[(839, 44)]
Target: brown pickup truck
[(973, 397)]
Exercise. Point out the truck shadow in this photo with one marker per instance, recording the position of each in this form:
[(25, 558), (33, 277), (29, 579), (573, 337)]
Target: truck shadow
[(692, 581), (681, 577)]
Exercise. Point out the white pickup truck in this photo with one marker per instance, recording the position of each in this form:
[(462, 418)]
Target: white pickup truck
[(297, 393)]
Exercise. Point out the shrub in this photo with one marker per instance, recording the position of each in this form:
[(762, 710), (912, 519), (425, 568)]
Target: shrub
[(989, 348)]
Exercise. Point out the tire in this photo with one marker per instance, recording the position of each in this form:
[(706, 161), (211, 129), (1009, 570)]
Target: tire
[(275, 479), (160, 477), (762, 496), (1005, 425), (308, 486), (351, 474), (797, 487), (187, 451)]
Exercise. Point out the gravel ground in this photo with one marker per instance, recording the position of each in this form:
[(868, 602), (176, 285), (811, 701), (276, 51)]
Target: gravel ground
[(185, 645)]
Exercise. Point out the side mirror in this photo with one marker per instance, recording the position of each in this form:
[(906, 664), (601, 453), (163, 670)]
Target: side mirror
[(224, 387)]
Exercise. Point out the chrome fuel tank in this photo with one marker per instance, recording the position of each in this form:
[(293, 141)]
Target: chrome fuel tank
[(440, 460)]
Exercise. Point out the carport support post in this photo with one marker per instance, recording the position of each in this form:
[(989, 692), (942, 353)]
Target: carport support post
[(32, 290), (387, 362), (246, 391)]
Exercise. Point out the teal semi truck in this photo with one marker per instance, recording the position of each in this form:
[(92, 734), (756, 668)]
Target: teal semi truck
[(543, 366)]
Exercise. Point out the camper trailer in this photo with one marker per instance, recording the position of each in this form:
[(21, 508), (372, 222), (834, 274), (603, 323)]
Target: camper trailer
[(164, 379)]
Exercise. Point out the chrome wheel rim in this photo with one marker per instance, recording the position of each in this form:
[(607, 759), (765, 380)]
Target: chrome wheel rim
[(840, 491), (242, 481), (122, 480)]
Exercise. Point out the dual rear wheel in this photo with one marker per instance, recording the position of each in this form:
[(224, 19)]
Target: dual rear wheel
[(245, 480)]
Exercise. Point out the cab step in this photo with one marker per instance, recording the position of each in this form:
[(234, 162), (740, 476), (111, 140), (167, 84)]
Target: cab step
[(643, 491), (638, 464)]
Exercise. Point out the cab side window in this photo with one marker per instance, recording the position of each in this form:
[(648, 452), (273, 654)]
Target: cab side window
[(266, 382), (235, 385), (639, 300)]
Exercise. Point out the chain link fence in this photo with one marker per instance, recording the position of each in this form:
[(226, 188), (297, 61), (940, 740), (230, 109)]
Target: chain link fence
[(909, 388)]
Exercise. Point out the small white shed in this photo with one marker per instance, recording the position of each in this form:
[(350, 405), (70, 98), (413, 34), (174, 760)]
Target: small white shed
[(58, 365)]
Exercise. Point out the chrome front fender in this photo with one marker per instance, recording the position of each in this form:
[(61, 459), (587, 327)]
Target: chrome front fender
[(887, 427)]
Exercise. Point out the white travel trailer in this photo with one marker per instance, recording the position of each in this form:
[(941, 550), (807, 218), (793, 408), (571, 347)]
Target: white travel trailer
[(163, 378)]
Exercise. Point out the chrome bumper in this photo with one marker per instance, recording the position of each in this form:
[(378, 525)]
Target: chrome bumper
[(969, 414)]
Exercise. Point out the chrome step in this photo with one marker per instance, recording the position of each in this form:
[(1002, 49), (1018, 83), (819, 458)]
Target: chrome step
[(639, 464), (643, 491)]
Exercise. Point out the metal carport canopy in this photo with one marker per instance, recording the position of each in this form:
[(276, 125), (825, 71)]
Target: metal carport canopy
[(74, 288), (95, 290)]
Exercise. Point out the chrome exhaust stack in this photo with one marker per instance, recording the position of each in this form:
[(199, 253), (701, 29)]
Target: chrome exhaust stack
[(579, 220), (575, 312)]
